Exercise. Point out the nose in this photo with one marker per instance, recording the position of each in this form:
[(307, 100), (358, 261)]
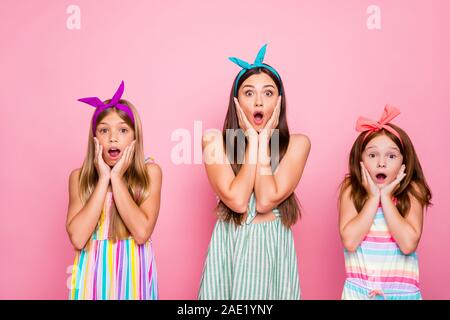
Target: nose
[(258, 101), (113, 137), (381, 163)]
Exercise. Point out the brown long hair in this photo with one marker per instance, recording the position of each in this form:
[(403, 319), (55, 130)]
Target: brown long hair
[(289, 208), (414, 183), (136, 175)]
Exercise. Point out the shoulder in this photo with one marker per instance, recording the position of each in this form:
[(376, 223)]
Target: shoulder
[(211, 135), (415, 187), (300, 140), (75, 174), (74, 178), (346, 202), (153, 170), (299, 145), (417, 193), (345, 188)]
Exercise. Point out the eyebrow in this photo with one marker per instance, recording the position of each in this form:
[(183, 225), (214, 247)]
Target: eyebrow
[(393, 148), (123, 122), (267, 85)]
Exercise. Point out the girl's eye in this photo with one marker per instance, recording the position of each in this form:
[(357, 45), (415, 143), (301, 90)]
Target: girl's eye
[(124, 130), (371, 155), (392, 156), (269, 93), (103, 130), (248, 93)]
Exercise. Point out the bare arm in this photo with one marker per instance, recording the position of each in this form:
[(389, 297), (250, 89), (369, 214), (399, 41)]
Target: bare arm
[(82, 220), (405, 230), (272, 189), (354, 226), (140, 220), (233, 190)]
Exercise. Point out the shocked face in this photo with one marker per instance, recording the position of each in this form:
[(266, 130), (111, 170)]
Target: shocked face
[(258, 96), (383, 160), (114, 134)]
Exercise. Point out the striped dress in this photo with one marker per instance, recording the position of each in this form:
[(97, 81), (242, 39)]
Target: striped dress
[(250, 261), (110, 270), (378, 270)]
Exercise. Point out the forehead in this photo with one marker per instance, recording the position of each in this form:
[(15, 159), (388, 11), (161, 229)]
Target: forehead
[(112, 119), (259, 80), (381, 142)]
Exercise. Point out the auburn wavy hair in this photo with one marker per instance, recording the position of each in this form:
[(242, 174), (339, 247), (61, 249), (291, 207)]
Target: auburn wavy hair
[(414, 183)]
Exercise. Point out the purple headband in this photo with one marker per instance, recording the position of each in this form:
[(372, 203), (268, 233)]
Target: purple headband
[(100, 106)]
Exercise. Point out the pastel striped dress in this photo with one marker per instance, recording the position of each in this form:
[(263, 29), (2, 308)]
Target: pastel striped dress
[(250, 261), (113, 271), (378, 269)]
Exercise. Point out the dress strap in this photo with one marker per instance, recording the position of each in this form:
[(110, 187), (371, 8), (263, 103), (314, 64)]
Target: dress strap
[(149, 159)]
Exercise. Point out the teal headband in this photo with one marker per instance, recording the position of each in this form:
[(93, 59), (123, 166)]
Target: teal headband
[(257, 64)]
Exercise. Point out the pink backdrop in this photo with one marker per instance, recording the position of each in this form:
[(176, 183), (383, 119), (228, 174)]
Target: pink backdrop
[(173, 58)]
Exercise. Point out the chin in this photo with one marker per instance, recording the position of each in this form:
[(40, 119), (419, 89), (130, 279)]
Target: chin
[(384, 184)]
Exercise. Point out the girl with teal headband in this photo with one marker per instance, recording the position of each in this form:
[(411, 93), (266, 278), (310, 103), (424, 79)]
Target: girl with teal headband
[(251, 254)]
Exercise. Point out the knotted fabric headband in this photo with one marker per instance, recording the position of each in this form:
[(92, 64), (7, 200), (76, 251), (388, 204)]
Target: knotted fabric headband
[(257, 64), (100, 106), (389, 113)]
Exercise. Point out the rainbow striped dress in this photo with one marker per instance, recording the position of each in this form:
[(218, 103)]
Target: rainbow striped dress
[(110, 270), (379, 270), (251, 261)]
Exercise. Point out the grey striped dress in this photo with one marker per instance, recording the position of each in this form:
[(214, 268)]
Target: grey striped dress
[(251, 261)]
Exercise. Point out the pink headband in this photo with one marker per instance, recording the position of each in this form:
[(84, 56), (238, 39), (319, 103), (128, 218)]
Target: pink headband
[(389, 113), (100, 106)]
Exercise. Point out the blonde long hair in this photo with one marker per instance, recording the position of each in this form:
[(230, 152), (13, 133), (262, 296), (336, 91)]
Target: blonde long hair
[(136, 176)]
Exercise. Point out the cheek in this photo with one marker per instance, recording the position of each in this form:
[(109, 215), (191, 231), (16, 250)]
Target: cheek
[(246, 102), (370, 165), (247, 110), (271, 101), (396, 168), (366, 161), (129, 139), (270, 111), (102, 142)]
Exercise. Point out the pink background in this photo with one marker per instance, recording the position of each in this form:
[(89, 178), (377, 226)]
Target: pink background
[(173, 58)]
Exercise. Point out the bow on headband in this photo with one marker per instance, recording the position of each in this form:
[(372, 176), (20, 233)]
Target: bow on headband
[(100, 106), (389, 113), (257, 64)]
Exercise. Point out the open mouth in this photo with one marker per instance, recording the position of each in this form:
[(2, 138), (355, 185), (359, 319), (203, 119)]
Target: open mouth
[(114, 152), (258, 117), (381, 177)]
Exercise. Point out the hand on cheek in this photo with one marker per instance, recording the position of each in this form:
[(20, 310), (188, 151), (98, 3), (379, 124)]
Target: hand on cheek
[(124, 162), (390, 188)]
